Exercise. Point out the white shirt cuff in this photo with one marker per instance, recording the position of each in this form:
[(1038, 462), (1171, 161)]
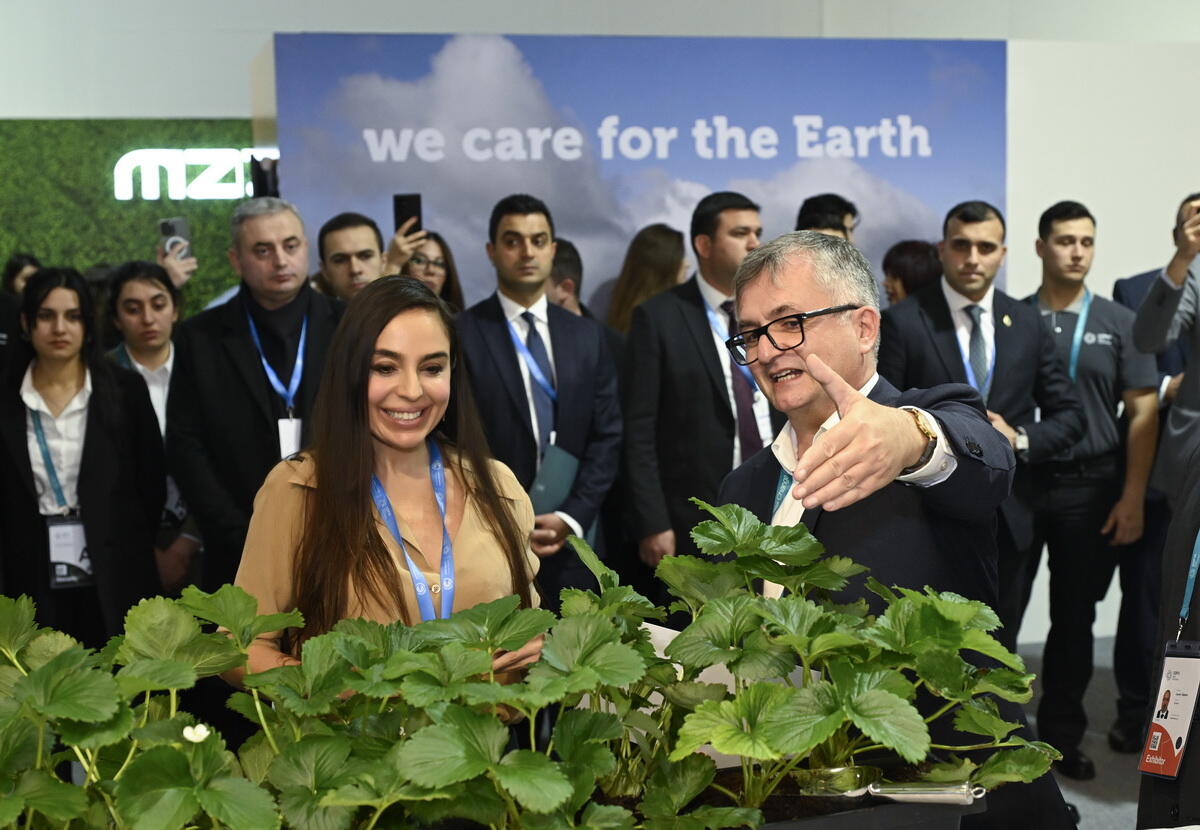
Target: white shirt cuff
[(941, 464), (1162, 275), (571, 523)]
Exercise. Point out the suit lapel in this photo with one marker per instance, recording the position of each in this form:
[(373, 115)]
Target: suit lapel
[(935, 314), (695, 319), (1008, 340), (567, 356), (494, 329), (245, 357), (97, 455), (13, 421), (320, 335)]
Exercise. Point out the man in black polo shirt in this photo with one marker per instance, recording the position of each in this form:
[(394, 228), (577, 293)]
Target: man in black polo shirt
[(1094, 492)]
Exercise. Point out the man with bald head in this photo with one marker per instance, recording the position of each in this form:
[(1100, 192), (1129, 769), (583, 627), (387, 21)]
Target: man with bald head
[(906, 483)]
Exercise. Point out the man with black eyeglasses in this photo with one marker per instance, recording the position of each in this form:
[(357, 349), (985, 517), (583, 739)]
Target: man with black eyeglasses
[(906, 483)]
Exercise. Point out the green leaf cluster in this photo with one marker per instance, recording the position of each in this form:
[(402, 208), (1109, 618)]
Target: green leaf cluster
[(389, 725), (818, 684)]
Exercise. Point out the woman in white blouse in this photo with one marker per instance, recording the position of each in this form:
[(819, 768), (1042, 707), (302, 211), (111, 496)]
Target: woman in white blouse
[(82, 487), (143, 305)]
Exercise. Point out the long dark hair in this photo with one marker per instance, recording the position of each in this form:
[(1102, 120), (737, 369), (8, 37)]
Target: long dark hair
[(37, 289), (452, 288), (17, 263), (341, 546), (651, 266)]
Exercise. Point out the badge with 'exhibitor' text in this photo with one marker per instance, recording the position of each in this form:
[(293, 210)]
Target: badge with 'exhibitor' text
[(1174, 707)]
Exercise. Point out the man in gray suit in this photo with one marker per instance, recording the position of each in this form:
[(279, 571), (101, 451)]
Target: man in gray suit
[(1169, 312)]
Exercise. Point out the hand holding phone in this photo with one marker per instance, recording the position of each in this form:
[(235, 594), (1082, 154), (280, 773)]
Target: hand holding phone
[(174, 252), (406, 207), (176, 236), (408, 237)]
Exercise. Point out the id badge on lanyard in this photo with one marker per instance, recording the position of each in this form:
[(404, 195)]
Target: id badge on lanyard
[(289, 437), (1175, 703), (289, 427), (1174, 708), (70, 565)]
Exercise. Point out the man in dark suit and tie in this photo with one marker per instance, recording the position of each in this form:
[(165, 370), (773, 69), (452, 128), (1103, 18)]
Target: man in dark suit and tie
[(246, 374), (546, 385), (1137, 645), (964, 330), (691, 414), (906, 483)]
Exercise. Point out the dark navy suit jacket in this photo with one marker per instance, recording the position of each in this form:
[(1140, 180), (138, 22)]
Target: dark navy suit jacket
[(588, 415), (919, 348), (1130, 292), (943, 536)]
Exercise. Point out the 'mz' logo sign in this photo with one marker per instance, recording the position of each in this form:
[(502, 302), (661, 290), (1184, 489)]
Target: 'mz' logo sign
[(199, 173)]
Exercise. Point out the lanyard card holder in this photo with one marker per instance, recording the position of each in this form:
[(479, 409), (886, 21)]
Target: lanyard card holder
[(289, 437), (1174, 710), (70, 565)]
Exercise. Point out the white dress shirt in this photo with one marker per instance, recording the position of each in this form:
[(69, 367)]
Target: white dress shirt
[(941, 466), (64, 440), (762, 409), (158, 383), (962, 322), (541, 320)]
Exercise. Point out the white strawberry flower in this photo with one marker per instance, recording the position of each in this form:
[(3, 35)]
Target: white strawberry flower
[(196, 733)]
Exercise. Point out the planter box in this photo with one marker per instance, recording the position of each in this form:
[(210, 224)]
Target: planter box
[(887, 817)]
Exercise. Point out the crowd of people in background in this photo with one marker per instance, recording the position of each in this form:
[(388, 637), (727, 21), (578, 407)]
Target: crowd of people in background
[(321, 439)]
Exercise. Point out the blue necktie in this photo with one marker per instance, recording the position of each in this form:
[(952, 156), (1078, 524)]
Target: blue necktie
[(977, 351), (542, 405)]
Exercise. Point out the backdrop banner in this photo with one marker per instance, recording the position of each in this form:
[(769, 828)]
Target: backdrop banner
[(615, 133), (88, 192)]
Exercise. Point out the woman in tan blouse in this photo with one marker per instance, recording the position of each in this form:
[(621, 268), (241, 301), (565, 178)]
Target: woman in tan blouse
[(394, 432)]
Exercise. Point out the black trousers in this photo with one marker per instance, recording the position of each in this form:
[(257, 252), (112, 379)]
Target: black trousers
[(1137, 647), (1077, 499), (1016, 568)]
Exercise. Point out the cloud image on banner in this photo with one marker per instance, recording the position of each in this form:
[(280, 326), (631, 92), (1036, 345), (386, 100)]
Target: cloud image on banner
[(615, 133)]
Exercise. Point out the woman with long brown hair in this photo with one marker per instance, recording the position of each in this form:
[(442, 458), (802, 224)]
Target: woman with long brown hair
[(433, 264), (653, 263), (396, 511)]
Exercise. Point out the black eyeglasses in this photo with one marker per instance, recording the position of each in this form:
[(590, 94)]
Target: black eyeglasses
[(784, 333)]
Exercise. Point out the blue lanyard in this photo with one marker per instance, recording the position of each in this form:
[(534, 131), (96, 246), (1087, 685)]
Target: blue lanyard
[(781, 489), (714, 322), (46, 459), (1077, 339), (1186, 608), (535, 371), (437, 473), (287, 394)]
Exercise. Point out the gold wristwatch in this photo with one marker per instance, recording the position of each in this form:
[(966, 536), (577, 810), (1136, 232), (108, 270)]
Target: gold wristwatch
[(930, 445)]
